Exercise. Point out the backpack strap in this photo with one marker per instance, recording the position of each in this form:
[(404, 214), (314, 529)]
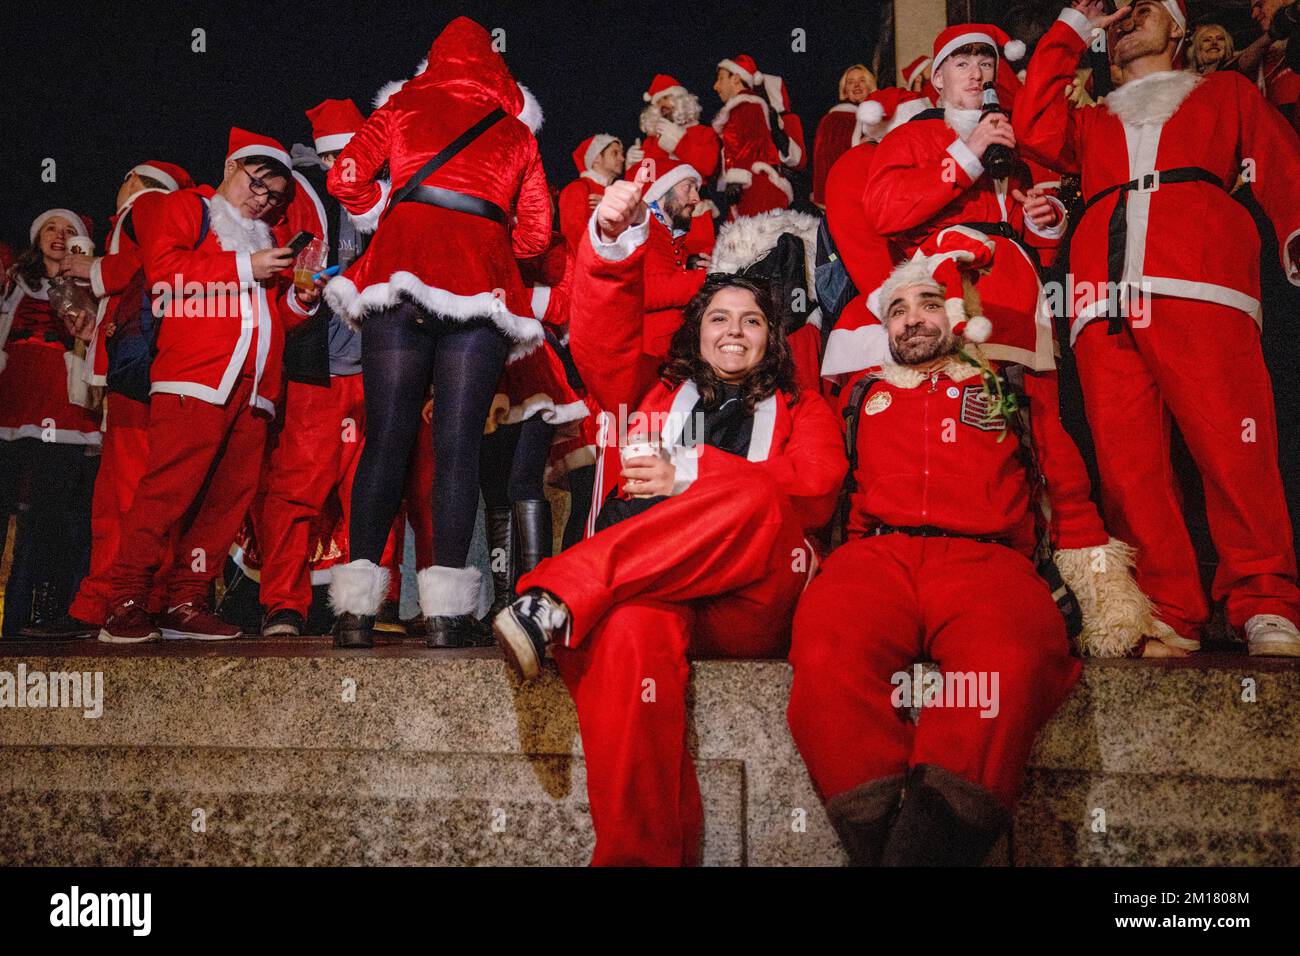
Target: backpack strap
[(852, 414)]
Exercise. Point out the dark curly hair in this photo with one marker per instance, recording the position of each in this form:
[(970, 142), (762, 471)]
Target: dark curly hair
[(774, 372)]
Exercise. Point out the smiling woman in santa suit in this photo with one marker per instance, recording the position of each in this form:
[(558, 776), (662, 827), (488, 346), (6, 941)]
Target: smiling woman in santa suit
[(696, 548), (443, 303), (42, 432)]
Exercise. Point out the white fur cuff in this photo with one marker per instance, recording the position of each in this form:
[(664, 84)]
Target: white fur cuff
[(358, 587), (447, 592), (1116, 614)]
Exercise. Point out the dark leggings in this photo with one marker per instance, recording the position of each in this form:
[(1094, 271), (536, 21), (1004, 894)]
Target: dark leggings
[(403, 349), (514, 462)]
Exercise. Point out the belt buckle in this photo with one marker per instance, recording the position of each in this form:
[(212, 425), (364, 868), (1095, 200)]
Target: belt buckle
[(1148, 182)]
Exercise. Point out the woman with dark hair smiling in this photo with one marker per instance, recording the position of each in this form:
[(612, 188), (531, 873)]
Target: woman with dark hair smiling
[(697, 547)]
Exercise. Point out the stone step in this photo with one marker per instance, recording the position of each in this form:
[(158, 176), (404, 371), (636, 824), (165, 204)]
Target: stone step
[(297, 753)]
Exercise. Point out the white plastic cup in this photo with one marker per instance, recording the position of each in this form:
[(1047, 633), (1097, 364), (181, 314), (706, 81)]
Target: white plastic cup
[(81, 245)]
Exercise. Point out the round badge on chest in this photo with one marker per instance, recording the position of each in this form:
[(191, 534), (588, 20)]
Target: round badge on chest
[(953, 391)]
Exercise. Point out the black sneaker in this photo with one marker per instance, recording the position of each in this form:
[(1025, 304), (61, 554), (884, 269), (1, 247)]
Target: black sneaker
[(526, 627), (65, 628), (284, 622)]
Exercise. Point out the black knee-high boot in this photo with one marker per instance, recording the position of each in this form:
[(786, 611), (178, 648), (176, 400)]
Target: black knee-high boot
[(862, 818), (945, 820), (533, 529), (502, 558)]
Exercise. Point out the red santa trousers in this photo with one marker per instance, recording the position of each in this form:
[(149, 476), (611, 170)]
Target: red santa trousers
[(316, 451), (1198, 364), (124, 455), (644, 597), (204, 462), (880, 604)]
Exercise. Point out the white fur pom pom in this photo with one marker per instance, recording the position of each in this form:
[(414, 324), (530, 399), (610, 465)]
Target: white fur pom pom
[(978, 329), (1015, 50), (870, 112)]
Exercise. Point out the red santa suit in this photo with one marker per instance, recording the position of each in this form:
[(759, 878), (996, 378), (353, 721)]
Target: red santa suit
[(455, 265), (1279, 83), (125, 449), (669, 282), (576, 198), (749, 156), (834, 138), (680, 137), (942, 508), (640, 608), (795, 154), (215, 380), (1157, 160)]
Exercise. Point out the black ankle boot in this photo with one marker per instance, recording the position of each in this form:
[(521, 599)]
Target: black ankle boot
[(354, 630), (460, 630), (945, 820), (533, 528), (501, 557), (862, 818)]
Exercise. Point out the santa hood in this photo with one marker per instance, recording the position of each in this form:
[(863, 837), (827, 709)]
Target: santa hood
[(464, 62)]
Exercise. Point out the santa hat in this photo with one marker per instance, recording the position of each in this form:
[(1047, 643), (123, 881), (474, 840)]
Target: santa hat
[(172, 177), (963, 34), (778, 94), (1178, 10), (939, 265), (589, 149), (81, 224), (243, 143), (743, 66), (663, 85), (334, 123), (666, 174), (915, 69), (884, 110)]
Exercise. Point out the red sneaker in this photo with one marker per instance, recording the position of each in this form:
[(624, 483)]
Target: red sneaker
[(195, 622), (128, 623)]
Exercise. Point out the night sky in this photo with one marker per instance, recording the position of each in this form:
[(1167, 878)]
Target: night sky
[(99, 88)]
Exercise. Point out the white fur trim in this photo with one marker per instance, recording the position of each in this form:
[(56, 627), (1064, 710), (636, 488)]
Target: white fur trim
[(386, 91), (870, 112), (153, 172), (448, 592), (333, 142), (777, 180), (961, 40), (1078, 22), (670, 134), (73, 219), (907, 376), (598, 144), (978, 328), (545, 406), (852, 350), (261, 149), (541, 300), (622, 247), (752, 79), (915, 271), (604, 179), (1153, 99), (720, 120), (742, 176), (531, 115), (971, 164), (368, 221), (1015, 50), (343, 297), (358, 587), (1051, 232), (747, 239), (1116, 614), (666, 91), (876, 132), (1288, 261), (668, 180), (97, 278)]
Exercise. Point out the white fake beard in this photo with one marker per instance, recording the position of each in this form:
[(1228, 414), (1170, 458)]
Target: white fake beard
[(236, 232), (963, 121)]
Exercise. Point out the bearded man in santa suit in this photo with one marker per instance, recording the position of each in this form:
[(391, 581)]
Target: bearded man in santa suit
[(599, 160), (1174, 336), (125, 450), (226, 303), (751, 155), (836, 129), (1266, 60), (671, 123)]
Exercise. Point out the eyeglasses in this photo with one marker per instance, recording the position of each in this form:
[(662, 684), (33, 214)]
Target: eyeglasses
[(260, 188)]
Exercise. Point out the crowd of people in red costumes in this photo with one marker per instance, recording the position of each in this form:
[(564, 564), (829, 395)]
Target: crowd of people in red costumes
[(818, 423)]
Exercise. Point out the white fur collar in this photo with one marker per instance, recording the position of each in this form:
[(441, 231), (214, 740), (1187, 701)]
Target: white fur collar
[(963, 121), (603, 178), (234, 231), (720, 120), (907, 376), (1152, 100)]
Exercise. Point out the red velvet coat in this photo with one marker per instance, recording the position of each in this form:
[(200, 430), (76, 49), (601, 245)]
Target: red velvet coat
[(697, 146), (743, 123), (575, 207), (669, 285), (455, 264), (796, 439), (1190, 240), (834, 138)]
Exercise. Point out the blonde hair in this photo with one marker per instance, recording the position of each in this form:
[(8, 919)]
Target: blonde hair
[(844, 80), (1193, 48)]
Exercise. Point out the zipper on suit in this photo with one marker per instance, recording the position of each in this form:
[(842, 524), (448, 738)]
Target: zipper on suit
[(925, 473)]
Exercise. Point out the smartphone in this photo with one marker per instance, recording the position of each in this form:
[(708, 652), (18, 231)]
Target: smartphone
[(299, 242)]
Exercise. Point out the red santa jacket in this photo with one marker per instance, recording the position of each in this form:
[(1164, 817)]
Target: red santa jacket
[(796, 439), (455, 264), (217, 320), (110, 274), (834, 138), (669, 285), (1189, 240), (575, 206), (1280, 84), (744, 126), (35, 363), (928, 454), (696, 145)]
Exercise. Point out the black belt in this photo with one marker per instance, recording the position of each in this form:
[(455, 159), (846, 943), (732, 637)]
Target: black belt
[(457, 202), (1117, 233), (931, 531), (1004, 230)]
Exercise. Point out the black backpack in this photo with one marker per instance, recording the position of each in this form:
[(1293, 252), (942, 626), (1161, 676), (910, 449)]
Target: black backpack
[(132, 339), (835, 289)]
